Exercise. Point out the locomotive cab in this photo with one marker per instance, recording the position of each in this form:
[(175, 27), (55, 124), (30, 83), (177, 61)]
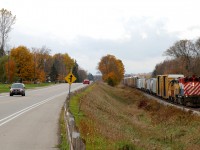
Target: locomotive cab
[(189, 91)]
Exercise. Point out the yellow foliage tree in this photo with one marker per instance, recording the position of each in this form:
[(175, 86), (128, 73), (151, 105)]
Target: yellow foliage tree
[(69, 62), (41, 76), (24, 63), (112, 69)]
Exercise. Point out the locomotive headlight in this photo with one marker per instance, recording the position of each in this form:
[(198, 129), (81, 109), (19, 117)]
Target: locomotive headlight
[(193, 84)]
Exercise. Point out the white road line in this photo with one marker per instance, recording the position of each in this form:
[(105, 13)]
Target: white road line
[(19, 113)]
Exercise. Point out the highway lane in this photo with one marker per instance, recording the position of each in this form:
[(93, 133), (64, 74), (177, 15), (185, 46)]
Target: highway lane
[(31, 122)]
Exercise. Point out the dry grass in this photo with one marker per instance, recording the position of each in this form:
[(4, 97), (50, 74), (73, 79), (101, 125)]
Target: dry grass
[(122, 118)]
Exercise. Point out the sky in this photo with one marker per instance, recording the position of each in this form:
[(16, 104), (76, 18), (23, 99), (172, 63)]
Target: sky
[(134, 31)]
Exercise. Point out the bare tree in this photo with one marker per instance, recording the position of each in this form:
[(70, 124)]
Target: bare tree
[(6, 21), (184, 50), (82, 74), (197, 44)]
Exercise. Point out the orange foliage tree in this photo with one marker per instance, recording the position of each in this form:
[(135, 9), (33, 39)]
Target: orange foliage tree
[(10, 70), (41, 76), (24, 63), (112, 69)]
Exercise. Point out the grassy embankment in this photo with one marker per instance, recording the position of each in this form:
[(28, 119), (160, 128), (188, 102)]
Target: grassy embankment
[(5, 87), (63, 143), (122, 118)]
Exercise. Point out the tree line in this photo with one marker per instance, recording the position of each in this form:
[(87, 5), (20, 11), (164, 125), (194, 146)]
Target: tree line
[(37, 65), (183, 58)]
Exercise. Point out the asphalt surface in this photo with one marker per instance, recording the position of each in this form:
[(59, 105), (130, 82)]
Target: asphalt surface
[(31, 122)]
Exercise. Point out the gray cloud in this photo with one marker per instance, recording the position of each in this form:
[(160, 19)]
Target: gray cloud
[(146, 42)]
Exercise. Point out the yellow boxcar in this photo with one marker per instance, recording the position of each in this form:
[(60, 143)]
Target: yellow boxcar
[(163, 82)]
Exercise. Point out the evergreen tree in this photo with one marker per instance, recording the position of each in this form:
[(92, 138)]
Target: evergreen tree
[(3, 61), (90, 76), (54, 73), (75, 72)]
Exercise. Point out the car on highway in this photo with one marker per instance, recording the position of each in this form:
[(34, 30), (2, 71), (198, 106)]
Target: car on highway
[(17, 89), (86, 81)]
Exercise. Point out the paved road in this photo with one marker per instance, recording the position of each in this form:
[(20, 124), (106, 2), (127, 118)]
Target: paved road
[(31, 122)]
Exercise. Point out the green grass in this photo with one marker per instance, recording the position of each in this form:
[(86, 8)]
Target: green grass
[(4, 88), (75, 104), (94, 140), (64, 145), (30, 86)]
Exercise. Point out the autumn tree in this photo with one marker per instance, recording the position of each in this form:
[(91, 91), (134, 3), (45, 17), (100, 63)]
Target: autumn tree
[(69, 62), (63, 64), (10, 70), (42, 63), (6, 22), (23, 59), (112, 69)]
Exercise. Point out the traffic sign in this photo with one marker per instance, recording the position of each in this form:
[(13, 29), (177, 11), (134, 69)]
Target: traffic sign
[(70, 78)]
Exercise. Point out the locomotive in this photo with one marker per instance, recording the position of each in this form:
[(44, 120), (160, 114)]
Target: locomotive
[(172, 87)]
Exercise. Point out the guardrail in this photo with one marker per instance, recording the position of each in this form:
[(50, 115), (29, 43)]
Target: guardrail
[(74, 139)]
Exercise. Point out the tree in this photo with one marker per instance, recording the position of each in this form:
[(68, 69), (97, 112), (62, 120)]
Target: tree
[(184, 50), (42, 62), (75, 72), (6, 22), (53, 73), (41, 76), (82, 74), (10, 70), (3, 61), (112, 69), (69, 62), (90, 76), (24, 62), (197, 45), (63, 64)]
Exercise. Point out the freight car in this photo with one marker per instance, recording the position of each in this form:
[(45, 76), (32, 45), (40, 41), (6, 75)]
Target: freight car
[(172, 87)]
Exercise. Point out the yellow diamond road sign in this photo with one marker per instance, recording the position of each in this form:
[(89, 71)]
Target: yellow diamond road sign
[(70, 78)]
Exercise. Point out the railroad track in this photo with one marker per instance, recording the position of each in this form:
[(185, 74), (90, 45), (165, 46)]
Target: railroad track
[(165, 102)]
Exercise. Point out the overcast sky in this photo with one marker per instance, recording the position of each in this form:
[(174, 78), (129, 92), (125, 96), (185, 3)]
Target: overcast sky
[(135, 31)]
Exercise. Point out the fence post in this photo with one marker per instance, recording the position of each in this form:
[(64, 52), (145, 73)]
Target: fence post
[(75, 141)]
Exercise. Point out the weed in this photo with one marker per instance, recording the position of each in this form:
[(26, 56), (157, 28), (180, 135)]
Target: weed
[(64, 145), (122, 118)]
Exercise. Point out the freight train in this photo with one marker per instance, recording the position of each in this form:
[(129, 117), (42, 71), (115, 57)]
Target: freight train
[(172, 87)]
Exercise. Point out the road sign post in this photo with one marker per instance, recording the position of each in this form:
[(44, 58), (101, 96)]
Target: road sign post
[(70, 78)]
